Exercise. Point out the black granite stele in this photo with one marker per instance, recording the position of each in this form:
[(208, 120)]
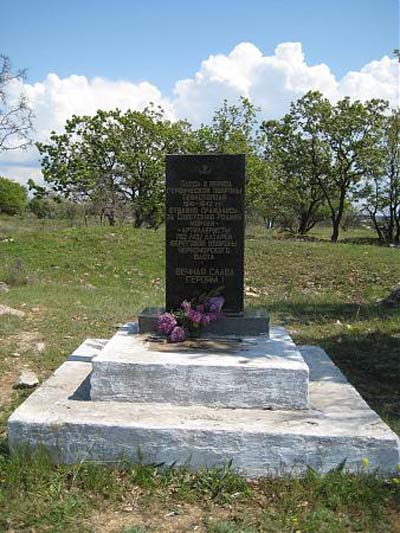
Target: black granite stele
[(205, 228), (205, 198)]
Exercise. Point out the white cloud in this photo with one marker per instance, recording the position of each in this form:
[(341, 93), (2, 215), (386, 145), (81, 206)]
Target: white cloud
[(270, 81), (376, 79), (273, 81), (54, 100), (21, 174)]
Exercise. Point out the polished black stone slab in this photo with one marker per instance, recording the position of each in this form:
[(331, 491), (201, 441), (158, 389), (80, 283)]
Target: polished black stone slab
[(249, 324), (205, 228)]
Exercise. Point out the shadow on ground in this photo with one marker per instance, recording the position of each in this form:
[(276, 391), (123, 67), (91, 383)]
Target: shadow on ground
[(366, 347), (321, 313)]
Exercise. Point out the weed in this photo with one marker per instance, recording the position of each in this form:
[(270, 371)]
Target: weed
[(15, 273)]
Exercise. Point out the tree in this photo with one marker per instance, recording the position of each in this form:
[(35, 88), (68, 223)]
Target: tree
[(114, 161), (146, 137), (16, 117), (300, 158), (234, 130), (81, 163), (351, 129), (349, 133), (379, 193), (13, 197)]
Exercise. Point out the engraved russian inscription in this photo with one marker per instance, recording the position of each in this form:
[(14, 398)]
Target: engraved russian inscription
[(205, 227)]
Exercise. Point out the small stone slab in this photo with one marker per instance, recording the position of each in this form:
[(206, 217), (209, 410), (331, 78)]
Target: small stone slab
[(340, 426), (5, 310), (248, 324), (27, 380), (3, 287), (247, 372)]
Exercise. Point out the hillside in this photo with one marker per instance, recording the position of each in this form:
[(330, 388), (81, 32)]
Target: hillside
[(83, 282)]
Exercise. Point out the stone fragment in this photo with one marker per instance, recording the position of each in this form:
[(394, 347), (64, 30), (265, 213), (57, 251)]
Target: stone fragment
[(88, 287), (27, 380), (3, 287), (40, 347), (5, 310)]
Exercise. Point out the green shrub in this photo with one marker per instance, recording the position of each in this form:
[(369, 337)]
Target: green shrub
[(13, 197)]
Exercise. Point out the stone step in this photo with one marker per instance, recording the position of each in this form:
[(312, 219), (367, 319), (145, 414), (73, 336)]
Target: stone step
[(249, 372), (339, 427)]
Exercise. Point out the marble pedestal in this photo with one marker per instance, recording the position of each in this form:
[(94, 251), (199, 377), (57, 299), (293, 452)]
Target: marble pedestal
[(258, 372)]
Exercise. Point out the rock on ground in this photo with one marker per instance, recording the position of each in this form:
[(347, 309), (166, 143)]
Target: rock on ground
[(5, 310), (39, 347), (3, 287), (27, 380)]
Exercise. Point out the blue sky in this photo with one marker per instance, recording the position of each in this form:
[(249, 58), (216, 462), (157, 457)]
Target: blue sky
[(189, 56), (163, 41)]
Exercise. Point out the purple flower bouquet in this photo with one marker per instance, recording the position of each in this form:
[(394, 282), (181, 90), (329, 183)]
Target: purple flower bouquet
[(190, 318)]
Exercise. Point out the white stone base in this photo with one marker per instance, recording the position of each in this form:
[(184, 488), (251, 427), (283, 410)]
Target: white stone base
[(339, 426), (251, 372)]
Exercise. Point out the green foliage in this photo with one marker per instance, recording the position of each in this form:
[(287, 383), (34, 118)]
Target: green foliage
[(44, 207), (379, 192), (351, 131), (302, 169), (55, 207), (13, 197), (320, 153), (300, 159), (113, 162), (234, 130), (15, 273)]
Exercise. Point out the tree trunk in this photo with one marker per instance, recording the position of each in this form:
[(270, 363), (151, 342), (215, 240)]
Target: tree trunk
[(335, 228), (111, 219), (304, 225), (397, 236), (337, 217), (139, 219), (376, 226)]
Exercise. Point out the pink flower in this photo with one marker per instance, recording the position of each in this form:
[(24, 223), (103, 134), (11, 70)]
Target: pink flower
[(186, 306), (195, 316), (177, 334), (166, 323)]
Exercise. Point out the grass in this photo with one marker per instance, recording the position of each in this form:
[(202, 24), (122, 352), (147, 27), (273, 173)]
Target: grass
[(75, 282), (35, 494)]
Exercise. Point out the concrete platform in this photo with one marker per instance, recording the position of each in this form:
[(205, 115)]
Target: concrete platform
[(339, 426), (247, 372)]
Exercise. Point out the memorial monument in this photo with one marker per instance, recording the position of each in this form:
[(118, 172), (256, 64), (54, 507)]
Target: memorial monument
[(205, 228), (205, 201), (243, 391)]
